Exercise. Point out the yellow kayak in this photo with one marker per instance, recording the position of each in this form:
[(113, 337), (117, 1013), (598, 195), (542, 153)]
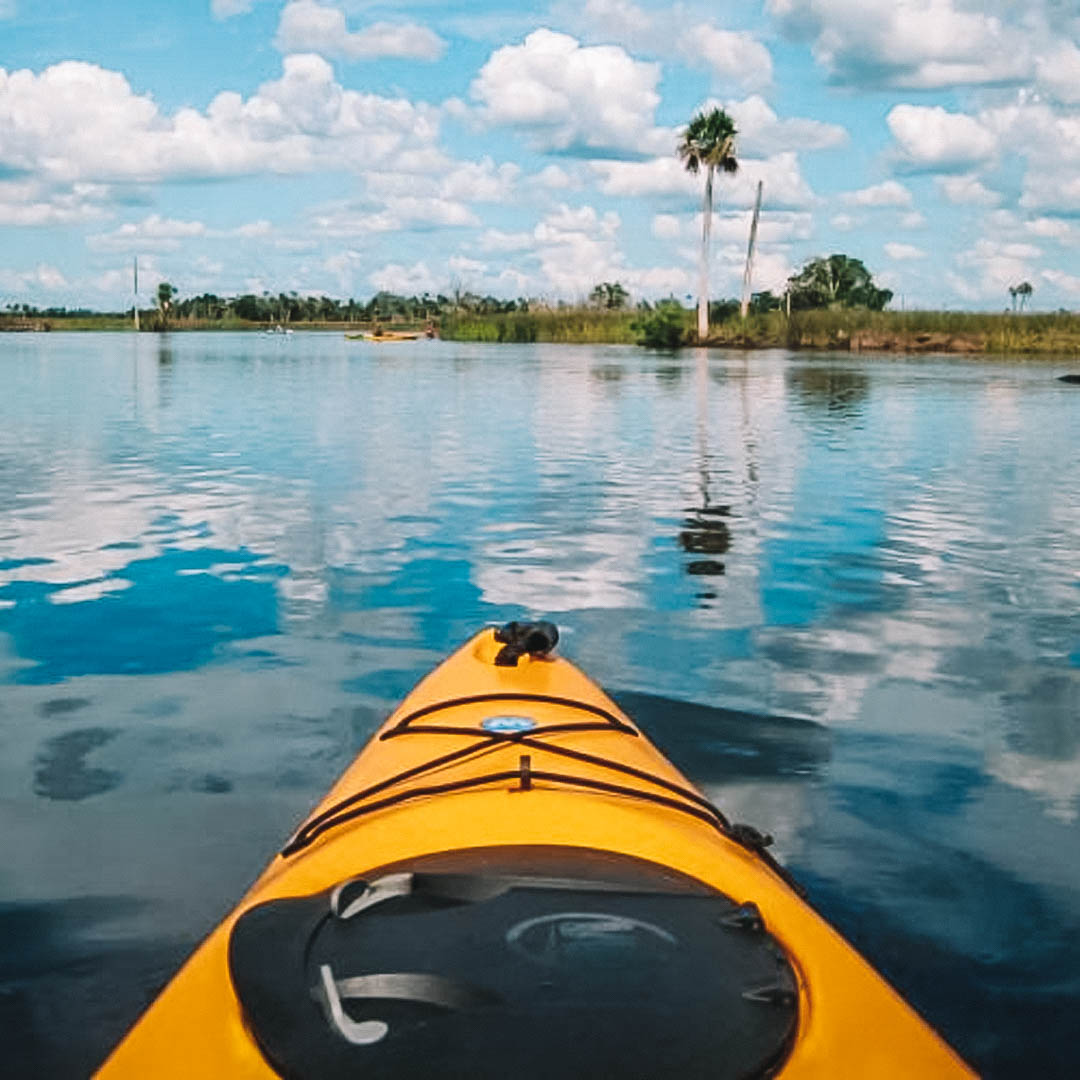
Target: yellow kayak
[(510, 880), (386, 336)]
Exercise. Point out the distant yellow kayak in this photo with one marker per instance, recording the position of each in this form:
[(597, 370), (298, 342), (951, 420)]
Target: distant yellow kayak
[(510, 880), (388, 335)]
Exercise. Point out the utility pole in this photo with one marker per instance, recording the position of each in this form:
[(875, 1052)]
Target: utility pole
[(135, 301), (748, 272)]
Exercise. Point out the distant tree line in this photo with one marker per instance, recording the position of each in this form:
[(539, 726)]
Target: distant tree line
[(291, 307), (838, 281)]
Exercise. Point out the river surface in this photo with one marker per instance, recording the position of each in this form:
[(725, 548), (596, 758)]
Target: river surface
[(223, 559)]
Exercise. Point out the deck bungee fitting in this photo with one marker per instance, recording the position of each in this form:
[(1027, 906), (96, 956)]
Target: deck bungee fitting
[(511, 880)]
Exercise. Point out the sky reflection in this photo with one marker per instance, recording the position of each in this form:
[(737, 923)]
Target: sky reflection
[(222, 558)]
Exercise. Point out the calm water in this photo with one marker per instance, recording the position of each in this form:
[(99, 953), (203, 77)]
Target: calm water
[(224, 558)]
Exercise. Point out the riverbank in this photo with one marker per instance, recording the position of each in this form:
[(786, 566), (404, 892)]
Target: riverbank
[(122, 322), (956, 332), (854, 330)]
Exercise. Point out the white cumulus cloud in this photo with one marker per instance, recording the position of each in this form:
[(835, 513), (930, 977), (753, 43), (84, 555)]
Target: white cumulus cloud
[(932, 138), (666, 226), (498, 240), (967, 190), (226, 9), (887, 193), (1067, 283), (784, 185), (761, 131), (732, 56), (990, 267), (76, 121), (157, 233), (564, 96), (307, 26), (907, 44), (902, 252), (409, 280), (1057, 73)]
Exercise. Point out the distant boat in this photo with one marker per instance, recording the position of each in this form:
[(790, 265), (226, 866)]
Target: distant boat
[(278, 330), (386, 335)]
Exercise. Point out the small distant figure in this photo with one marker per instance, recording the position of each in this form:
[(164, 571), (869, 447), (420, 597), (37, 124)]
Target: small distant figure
[(429, 330)]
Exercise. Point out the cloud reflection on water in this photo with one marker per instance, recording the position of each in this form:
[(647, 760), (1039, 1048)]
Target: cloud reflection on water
[(262, 545)]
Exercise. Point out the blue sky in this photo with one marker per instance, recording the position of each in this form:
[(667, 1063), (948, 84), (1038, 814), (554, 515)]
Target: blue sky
[(340, 148)]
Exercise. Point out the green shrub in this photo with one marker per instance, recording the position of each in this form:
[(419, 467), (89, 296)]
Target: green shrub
[(662, 328)]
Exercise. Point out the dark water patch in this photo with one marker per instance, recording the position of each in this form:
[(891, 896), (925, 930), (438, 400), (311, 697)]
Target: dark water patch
[(160, 708), (834, 391), (1006, 971), (796, 653), (69, 990), (18, 564), (264, 659), (705, 537), (62, 706), (389, 684), (212, 784), (705, 568), (1047, 717), (121, 545), (668, 376), (61, 771), (607, 373), (711, 744), (362, 721)]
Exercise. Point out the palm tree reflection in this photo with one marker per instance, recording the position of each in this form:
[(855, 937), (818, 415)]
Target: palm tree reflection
[(835, 391), (704, 531)]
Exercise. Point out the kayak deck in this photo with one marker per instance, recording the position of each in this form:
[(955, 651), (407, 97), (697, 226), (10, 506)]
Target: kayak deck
[(530, 770)]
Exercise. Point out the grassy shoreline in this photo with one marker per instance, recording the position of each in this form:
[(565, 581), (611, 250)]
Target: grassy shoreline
[(856, 330), (987, 333), (123, 323)]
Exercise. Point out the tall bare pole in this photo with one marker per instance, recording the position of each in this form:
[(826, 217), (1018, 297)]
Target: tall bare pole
[(135, 293), (703, 284), (748, 272)]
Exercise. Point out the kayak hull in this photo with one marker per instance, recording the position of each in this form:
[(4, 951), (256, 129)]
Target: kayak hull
[(571, 783)]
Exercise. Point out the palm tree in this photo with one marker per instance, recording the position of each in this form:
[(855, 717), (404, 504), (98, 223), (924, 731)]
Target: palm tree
[(709, 140)]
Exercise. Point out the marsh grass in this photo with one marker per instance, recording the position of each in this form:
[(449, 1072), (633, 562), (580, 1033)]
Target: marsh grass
[(580, 325), (859, 329), (996, 333)]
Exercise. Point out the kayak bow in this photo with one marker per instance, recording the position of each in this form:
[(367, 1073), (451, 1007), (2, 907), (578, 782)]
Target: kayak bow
[(510, 879)]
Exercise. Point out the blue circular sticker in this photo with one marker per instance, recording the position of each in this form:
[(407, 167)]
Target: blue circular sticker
[(507, 724)]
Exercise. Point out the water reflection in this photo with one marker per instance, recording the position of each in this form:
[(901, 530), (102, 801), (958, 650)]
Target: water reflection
[(838, 391), (717, 745), (222, 559), (705, 532), (62, 958), (62, 771)]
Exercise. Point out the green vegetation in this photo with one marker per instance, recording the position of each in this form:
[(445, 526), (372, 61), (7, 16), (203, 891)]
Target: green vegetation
[(709, 140), (840, 324), (1020, 293), (664, 327), (581, 325), (836, 282), (250, 311), (669, 324), (610, 295), (862, 330)]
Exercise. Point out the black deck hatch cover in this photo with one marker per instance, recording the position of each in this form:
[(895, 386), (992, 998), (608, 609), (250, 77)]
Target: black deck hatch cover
[(484, 976)]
